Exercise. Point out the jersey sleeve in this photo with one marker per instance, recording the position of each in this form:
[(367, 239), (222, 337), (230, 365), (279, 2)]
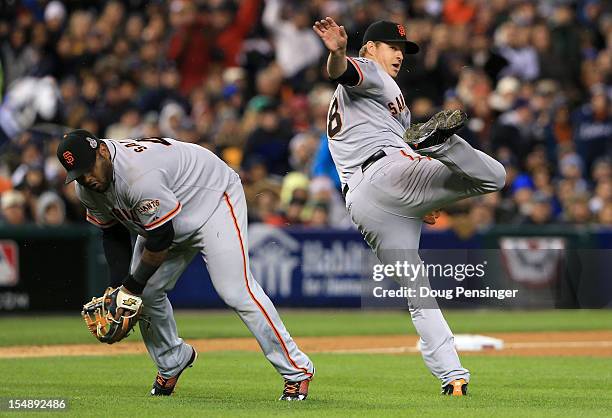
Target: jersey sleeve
[(95, 214), (153, 203), (369, 79)]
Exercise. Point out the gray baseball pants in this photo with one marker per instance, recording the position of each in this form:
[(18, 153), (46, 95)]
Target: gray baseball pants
[(388, 202), (222, 242)]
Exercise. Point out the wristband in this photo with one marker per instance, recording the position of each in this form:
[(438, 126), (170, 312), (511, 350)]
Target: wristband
[(133, 286)]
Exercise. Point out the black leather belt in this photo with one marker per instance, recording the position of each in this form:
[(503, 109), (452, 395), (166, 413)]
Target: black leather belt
[(366, 164)]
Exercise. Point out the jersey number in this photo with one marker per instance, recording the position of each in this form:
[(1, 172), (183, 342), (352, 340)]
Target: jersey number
[(132, 143), (334, 120)]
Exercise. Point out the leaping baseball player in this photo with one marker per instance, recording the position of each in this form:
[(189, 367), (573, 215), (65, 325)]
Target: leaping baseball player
[(181, 200), (390, 188)]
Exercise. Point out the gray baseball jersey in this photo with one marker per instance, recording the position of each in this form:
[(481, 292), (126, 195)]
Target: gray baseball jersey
[(159, 179), (365, 118)]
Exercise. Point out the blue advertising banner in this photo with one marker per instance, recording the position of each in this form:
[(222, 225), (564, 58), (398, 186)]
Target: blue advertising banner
[(329, 268), (296, 267)]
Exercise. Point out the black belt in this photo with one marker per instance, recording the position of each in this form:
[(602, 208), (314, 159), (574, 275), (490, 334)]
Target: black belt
[(366, 164)]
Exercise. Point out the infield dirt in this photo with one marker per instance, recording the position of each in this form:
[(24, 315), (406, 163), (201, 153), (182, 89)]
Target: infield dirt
[(573, 343)]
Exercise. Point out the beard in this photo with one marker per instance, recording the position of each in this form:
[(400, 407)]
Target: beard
[(103, 184)]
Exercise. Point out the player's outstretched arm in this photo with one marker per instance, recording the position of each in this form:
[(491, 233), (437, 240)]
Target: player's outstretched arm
[(335, 39)]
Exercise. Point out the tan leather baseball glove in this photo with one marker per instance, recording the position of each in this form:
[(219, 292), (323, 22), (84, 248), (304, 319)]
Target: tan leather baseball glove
[(112, 316)]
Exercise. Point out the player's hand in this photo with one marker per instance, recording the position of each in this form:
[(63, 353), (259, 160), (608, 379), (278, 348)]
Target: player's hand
[(112, 316), (431, 217), (334, 37)]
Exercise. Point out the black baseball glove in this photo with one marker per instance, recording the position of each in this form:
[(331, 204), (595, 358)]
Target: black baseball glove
[(436, 130)]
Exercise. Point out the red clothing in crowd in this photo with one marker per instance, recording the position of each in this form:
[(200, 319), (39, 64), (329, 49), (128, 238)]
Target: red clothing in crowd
[(230, 39), (459, 12), (189, 49)]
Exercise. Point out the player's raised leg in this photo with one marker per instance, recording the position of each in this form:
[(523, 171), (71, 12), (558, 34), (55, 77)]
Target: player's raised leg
[(227, 258), (412, 186), (463, 172)]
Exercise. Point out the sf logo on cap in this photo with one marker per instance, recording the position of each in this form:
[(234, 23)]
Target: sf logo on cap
[(401, 30), (68, 157)]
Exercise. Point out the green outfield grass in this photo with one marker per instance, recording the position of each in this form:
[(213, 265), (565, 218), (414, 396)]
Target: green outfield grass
[(244, 384), (68, 329)]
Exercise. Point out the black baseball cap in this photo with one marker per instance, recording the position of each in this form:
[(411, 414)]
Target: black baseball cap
[(77, 152), (385, 31)]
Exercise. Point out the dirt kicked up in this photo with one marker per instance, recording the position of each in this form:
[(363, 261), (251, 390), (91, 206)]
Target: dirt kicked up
[(575, 343)]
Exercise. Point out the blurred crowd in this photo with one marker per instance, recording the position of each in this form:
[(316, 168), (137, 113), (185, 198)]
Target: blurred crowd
[(247, 79)]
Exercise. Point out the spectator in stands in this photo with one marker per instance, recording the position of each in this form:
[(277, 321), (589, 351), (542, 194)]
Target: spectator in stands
[(558, 134), (255, 181), (230, 30), (505, 95), (319, 216), (522, 192), (265, 208), (604, 217), (302, 149), (170, 120), (74, 210), (571, 168), (577, 211), (50, 210), (514, 46), (31, 156), (292, 216), (481, 214), (270, 140), (542, 181), (27, 100), (323, 164), (322, 190), (13, 208), (513, 129), (127, 125), (541, 210), (602, 169), (550, 64), (602, 195), (288, 34), (593, 125), (52, 167), (543, 102), (503, 209), (55, 16), (565, 41), (189, 47), (33, 185), (17, 56), (533, 78)]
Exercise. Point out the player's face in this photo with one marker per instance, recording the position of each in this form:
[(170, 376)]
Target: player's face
[(390, 56), (101, 174)]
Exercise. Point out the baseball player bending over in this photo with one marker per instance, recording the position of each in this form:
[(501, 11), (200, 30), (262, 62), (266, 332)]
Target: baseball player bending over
[(181, 200), (389, 188)]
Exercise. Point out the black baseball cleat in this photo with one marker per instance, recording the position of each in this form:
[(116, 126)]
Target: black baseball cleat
[(456, 388), (165, 386), (436, 130), (295, 391)]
